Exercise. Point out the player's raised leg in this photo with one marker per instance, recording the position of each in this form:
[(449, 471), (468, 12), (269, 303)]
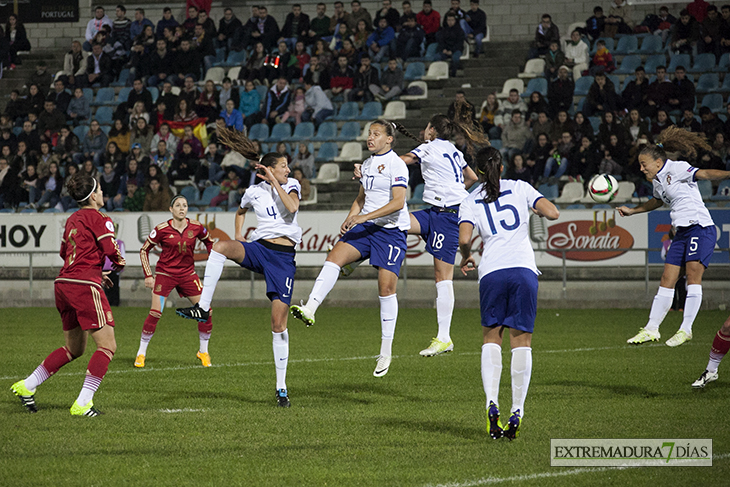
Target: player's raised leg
[(720, 348)]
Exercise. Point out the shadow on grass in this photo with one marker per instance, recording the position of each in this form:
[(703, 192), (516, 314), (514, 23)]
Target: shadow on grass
[(362, 393), (442, 427), (619, 389)]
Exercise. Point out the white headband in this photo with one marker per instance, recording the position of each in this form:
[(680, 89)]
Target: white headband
[(93, 189)]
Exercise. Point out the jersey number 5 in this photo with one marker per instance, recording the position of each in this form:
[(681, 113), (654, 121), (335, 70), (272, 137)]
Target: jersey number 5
[(500, 208)]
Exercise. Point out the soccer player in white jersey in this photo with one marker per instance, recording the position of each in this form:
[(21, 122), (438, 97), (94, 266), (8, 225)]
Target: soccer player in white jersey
[(500, 212), (270, 250), (375, 228), (675, 183)]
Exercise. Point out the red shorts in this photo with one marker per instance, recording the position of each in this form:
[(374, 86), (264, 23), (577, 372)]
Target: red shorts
[(185, 285), (83, 305)]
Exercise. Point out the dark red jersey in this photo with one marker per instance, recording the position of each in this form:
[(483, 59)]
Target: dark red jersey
[(87, 239), (177, 248)]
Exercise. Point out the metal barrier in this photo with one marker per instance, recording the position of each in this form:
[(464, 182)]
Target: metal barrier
[(404, 268)]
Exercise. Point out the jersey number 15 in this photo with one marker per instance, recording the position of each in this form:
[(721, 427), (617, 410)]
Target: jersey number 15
[(501, 208)]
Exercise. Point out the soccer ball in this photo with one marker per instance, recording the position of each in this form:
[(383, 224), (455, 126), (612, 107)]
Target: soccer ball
[(603, 188)]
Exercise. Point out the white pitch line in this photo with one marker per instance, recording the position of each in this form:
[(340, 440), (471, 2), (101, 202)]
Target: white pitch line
[(342, 359), (544, 475), (184, 410)]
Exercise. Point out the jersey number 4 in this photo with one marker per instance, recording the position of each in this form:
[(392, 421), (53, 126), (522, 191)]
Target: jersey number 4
[(501, 208)]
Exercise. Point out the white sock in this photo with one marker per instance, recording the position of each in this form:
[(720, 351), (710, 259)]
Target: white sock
[(388, 318), (660, 307), (213, 271), (323, 285), (204, 339), (144, 343), (444, 309), (521, 372), (712, 366), (281, 357), (491, 371), (39, 375), (691, 307)]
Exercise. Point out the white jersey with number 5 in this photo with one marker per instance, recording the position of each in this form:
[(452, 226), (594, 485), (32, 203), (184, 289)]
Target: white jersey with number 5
[(503, 226), (442, 166), (274, 220), (676, 185), (380, 174)]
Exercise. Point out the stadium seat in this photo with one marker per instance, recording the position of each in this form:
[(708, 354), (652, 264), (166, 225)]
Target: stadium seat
[(534, 68), (496, 143), (625, 192), (395, 110), (81, 131), (370, 111), (312, 200), (122, 79), (28, 210), (627, 45), (536, 84), (327, 152), (629, 64), (595, 123), (326, 131), (583, 85), (220, 56), (280, 131), (609, 44), (708, 83), (549, 191), (235, 58), (52, 210), (154, 92), (351, 152), (602, 206), (103, 96), (616, 82), (723, 66), (420, 84), (348, 111), (713, 101), (349, 131), (436, 71), (679, 60), (310, 148), (576, 206), (234, 72), (263, 91), (651, 45), (364, 134), (7, 210), (512, 83), (432, 52), (417, 196), (303, 131), (18, 130), (106, 129), (653, 62), (191, 193), (215, 74), (572, 193), (723, 192), (579, 107), (705, 187), (414, 71), (122, 97), (104, 115), (328, 173), (88, 94), (704, 63), (208, 194), (259, 132), (725, 84)]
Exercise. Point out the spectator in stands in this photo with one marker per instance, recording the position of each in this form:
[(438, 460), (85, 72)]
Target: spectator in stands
[(661, 122), (189, 92), (93, 145), (512, 103), (475, 25), (543, 125), (698, 9), (720, 148), (711, 125), (170, 100), (8, 139), (119, 134), (684, 91), (136, 153), (208, 24), (553, 60), (583, 160), (167, 21), (157, 197), (535, 105), (191, 21), (228, 92), (254, 70), (166, 136), (659, 92), (710, 32), (348, 50), (596, 24), (195, 145), (342, 79), (539, 154), (303, 160), (342, 33), (67, 145), (228, 30), (487, 117), (636, 127), (467, 110), (614, 158), (576, 52), (232, 117), (277, 101), (30, 137), (560, 92), (116, 159), (319, 106), (16, 107), (362, 33), (379, 41), (545, 32), (409, 40), (250, 106), (44, 159), (389, 13), (619, 19), (98, 68), (323, 52), (139, 93), (74, 64), (516, 137), (451, 42), (518, 170), (558, 163), (303, 57), (161, 64), (430, 21), (366, 75), (341, 17), (94, 26), (317, 74), (455, 8), (266, 29), (139, 24), (133, 175), (203, 44), (298, 174), (391, 82), (17, 38), (635, 92), (282, 64), (135, 197), (142, 134), (50, 120), (206, 105), (601, 97), (602, 60), (28, 181), (581, 128), (185, 164), (162, 158), (561, 124), (407, 12), (725, 29), (183, 113), (360, 13), (60, 96), (41, 76), (295, 26), (188, 63), (319, 26), (685, 34), (610, 126), (138, 112)]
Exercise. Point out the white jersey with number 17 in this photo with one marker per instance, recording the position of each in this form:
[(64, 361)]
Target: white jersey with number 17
[(503, 226)]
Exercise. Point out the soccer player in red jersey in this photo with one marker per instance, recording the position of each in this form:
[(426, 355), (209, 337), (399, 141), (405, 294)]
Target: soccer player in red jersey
[(87, 240), (174, 270), (720, 348)]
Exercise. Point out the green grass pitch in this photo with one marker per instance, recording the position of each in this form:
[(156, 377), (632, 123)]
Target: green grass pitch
[(176, 423)]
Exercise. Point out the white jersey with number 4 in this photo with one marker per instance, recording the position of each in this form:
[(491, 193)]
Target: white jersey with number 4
[(676, 185), (442, 166), (274, 220), (380, 174), (503, 226)]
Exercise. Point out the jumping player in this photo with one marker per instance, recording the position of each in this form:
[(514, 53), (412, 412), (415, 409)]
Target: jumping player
[(500, 211), (175, 269), (270, 251), (87, 239), (375, 228), (675, 183)]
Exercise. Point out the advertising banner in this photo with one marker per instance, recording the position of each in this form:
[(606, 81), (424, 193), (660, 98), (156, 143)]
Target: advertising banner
[(41, 11)]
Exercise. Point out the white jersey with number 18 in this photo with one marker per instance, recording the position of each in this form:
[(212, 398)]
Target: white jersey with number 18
[(442, 166)]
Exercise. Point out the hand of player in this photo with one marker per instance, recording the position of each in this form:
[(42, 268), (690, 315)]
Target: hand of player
[(105, 281), (149, 282), (467, 265), (357, 172), (268, 176), (625, 211), (351, 222)]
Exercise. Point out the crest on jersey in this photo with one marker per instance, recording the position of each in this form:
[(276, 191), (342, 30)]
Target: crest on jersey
[(153, 233), (109, 317), (158, 288), (110, 226), (190, 234), (669, 179), (380, 168)]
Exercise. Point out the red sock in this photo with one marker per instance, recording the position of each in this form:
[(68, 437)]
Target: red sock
[(57, 359), (720, 346), (150, 324), (206, 327), (98, 365)]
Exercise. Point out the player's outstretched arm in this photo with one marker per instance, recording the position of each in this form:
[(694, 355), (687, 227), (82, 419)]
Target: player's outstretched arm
[(712, 174), (650, 205), (547, 209)]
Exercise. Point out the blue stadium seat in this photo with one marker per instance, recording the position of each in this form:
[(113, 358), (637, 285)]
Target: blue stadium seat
[(220, 56), (595, 123), (208, 194), (536, 84), (414, 71), (417, 196), (496, 143), (103, 96), (327, 152), (629, 64), (370, 111), (653, 62), (583, 85), (259, 132), (326, 131), (616, 82), (432, 52), (705, 187), (549, 191), (704, 63), (350, 131), (348, 111), (263, 90), (713, 101), (280, 131), (304, 130), (106, 129), (235, 58), (708, 82), (81, 131), (122, 80), (17, 131), (581, 102), (679, 60), (627, 45), (88, 94), (123, 96), (723, 66), (104, 115), (651, 45), (191, 194), (155, 93), (576, 206), (310, 147), (723, 192)]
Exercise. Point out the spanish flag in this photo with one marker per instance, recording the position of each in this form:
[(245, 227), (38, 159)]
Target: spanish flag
[(199, 130)]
